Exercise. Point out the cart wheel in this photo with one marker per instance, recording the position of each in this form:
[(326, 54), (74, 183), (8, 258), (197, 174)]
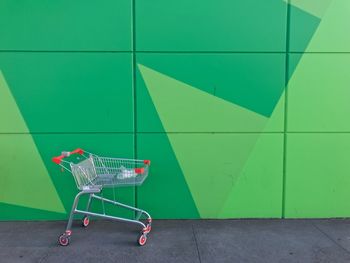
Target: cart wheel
[(142, 239), (86, 221), (63, 240)]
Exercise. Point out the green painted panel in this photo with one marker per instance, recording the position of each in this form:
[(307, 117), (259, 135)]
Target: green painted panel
[(49, 145), (223, 25), (317, 178), (302, 27), (223, 175), (70, 92), (332, 33), (11, 118), (224, 77), (315, 7), (14, 212), (318, 98), (257, 192), (165, 193), (24, 179), (213, 165), (177, 106), (65, 25)]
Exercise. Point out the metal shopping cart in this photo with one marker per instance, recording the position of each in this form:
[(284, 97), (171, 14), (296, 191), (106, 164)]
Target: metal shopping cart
[(92, 173)]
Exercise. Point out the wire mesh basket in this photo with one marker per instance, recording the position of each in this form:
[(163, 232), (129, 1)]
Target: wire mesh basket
[(96, 171)]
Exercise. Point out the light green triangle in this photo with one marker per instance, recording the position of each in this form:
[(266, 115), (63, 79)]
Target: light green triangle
[(24, 180), (315, 7), (10, 116), (183, 108), (325, 76), (333, 32), (262, 175), (209, 162), (276, 120)]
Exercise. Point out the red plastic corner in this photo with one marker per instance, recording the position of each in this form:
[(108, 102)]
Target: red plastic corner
[(57, 160), (139, 170)]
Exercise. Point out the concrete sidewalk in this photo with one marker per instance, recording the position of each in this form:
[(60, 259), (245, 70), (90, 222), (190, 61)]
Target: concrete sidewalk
[(180, 241)]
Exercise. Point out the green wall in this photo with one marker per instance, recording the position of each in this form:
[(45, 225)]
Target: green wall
[(242, 106)]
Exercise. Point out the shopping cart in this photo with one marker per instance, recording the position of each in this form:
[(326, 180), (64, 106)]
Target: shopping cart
[(92, 173)]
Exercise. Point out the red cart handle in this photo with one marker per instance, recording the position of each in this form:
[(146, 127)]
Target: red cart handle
[(58, 159)]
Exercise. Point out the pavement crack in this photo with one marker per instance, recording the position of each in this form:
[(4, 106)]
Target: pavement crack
[(195, 239), (330, 238)]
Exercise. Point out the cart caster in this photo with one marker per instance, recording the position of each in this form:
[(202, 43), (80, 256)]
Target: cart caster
[(63, 240), (147, 229), (86, 221), (148, 226), (142, 239)]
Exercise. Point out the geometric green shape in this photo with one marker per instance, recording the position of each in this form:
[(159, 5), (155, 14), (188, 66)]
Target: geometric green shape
[(183, 108), (10, 116), (222, 25), (165, 193), (332, 33), (227, 76), (317, 178), (277, 116), (209, 162), (65, 92), (14, 212), (315, 7), (23, 177), (63, 25), (318, 98), (302, 27), (258, 190)]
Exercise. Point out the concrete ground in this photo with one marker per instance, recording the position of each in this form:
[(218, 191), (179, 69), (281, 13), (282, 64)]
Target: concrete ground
[(180, 241)]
